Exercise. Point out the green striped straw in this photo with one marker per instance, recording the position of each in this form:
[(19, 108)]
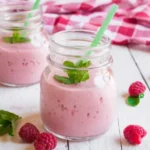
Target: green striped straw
[(103, 28)]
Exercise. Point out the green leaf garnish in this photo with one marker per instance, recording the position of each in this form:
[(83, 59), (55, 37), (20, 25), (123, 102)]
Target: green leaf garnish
[(133, 101), (7, 122), (16, 37), (78, 76), (5, 128), (83, 64), (74, 75), (141, 96), (5, 115), (62, 79), (69, 64), (12, 129)]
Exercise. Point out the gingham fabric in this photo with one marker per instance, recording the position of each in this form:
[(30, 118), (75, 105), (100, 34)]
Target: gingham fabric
[(131, 23)]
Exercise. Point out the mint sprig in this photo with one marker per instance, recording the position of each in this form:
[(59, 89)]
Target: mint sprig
[(6, 128), (134, 100), (74, 74), (16, 37), (62, 79), (7, 122)]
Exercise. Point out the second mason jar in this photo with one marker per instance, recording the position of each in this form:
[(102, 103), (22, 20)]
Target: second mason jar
[(23, 44), (78, 91)]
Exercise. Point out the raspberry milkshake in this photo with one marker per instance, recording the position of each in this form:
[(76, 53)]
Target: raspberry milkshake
[(21, 64), (83, 110), (23, 44), (78, 95)]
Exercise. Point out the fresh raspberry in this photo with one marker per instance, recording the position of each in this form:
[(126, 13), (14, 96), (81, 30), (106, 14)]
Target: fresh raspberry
[(134, 133), (28, 133), (134, 139), (45, 141), (136, 88)]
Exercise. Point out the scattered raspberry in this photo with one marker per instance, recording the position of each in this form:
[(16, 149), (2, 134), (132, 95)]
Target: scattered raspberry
[(134, 133), (45, 141), (28, 133), (136, 88)]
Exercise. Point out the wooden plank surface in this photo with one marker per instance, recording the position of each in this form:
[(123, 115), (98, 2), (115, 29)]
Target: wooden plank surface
[(126, 72), (108, 141), (141, 56)]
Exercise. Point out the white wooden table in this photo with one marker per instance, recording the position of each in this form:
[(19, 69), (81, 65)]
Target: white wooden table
[(130, 65)]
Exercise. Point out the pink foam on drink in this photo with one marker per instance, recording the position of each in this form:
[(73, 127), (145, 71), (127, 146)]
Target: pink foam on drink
[(82, 110), (22, 63)]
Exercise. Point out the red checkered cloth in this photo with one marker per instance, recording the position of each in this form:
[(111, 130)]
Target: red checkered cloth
[(131, 23)]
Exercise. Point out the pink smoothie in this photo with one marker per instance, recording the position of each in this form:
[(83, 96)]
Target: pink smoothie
[(22, 63), (82, 110)]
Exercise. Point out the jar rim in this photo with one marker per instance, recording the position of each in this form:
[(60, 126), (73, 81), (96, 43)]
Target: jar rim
[(25, 6), (18, 15), (76, 46), (55, 36)]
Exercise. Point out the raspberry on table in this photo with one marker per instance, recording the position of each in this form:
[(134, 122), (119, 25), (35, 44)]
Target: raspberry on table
[(28, 133), (45, 141), (136, 88), (134, 134)]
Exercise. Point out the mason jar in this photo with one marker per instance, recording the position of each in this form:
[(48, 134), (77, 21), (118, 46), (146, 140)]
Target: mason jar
[(23, 44), (78, 91)]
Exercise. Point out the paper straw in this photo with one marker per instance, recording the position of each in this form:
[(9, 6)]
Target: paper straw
[(35, 6), (104, 26)]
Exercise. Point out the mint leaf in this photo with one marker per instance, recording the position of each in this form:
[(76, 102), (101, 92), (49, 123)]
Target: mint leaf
[(23, 40), (87, 64), (62, 79), (80, 64), (7, 40), (133, 101), (85, 75), (12, 40), (81, 76), (3, 122), (78, 76), (83, 64), (141, 96), (7, 122), (69, 64), (74, 75), (16, 37), (7, 127), (4, 129), (12, 130), (5, 115)]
